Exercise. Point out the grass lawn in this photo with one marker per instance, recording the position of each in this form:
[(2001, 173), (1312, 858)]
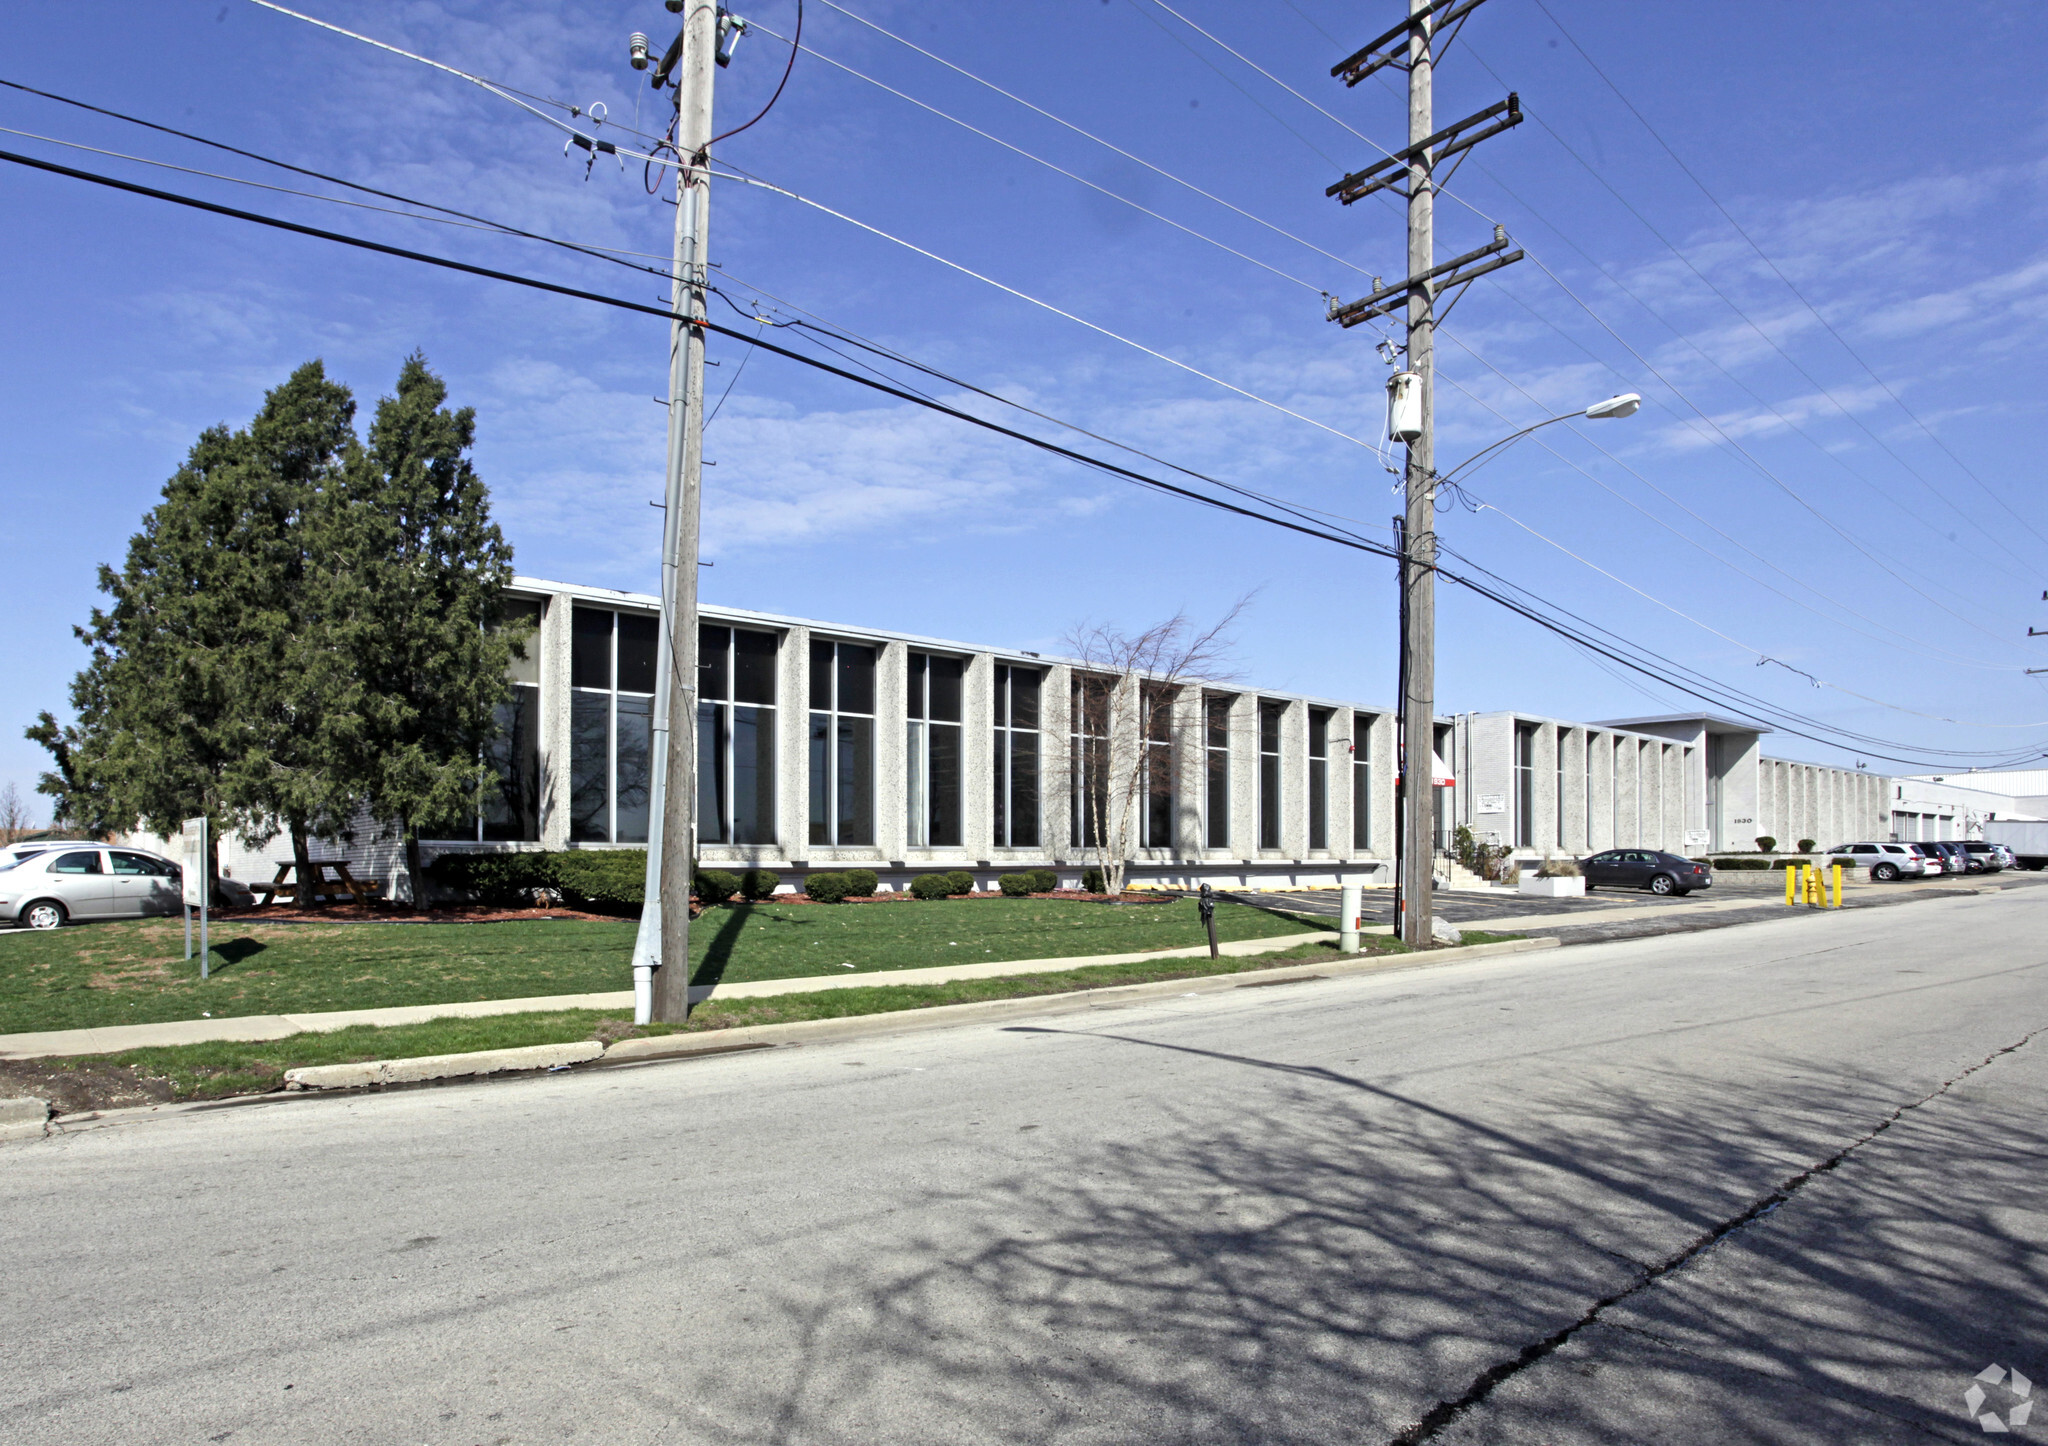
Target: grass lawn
[(134, 972), (222, 1068)]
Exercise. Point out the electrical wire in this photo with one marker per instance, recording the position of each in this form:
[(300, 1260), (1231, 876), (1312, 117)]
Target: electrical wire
[(794, 46), (1091, 136), (1761, 333), (1054, 166), (1800, 296), (1548, 616), (589, 249), (587, 142), (734, 173)]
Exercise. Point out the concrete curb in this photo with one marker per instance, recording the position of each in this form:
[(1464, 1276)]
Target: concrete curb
[(24, 1118), (441, 1066), (899, 1021)]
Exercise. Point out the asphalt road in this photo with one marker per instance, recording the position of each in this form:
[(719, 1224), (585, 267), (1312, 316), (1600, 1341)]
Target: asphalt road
[(1772, 1183)]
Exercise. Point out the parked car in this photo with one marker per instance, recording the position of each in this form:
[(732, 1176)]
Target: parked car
[(88, 881), (1660, 873), (1885, 861), (1991, 855), (1937, 862), (1959, 858)]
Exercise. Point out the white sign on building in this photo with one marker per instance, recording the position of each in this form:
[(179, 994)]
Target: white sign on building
[(1493, 803)]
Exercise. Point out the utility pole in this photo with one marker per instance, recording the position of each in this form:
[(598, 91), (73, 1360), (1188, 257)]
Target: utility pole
[(1418, 779), (1411, 401), (661, 952)]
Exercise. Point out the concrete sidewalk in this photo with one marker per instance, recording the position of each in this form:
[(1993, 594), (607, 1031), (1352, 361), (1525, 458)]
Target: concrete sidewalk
[(111, 1039)]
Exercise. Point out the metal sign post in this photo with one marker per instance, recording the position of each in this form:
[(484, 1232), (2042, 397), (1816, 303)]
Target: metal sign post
[(194, 856)]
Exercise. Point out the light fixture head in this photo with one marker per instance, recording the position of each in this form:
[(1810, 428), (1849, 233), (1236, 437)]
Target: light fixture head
[(1624, 405), (637, 46), (675, 7), (730, 29)]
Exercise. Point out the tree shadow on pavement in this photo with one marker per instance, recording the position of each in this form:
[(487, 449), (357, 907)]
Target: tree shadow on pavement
[(1347, 1256)]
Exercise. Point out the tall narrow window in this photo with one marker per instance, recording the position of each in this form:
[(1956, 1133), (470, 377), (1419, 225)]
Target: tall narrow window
[(1016, 757), (1441, 796), (512, 813), (1559, 795), (1361, 781), (1216, 779), (1270, 714), (933, 774), (1525, 785), (842, 743), (611, 724), (1088, 760), (1157, 707), (1319, 778), (735, 736)]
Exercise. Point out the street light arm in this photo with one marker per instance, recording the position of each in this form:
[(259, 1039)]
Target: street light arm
[(1621, 406)]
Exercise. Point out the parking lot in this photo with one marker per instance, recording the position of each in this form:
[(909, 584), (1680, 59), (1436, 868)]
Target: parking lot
[(1737, 896)]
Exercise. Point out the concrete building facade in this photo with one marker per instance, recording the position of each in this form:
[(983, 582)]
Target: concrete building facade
[(828, 746)]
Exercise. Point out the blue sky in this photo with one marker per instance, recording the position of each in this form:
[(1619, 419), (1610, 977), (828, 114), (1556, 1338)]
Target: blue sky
[(1837, 465)]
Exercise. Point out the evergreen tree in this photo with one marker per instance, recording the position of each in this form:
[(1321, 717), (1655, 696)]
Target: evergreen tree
[(210, 688), (417, 582)]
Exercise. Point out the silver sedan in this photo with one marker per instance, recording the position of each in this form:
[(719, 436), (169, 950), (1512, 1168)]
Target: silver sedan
[(88, 881)]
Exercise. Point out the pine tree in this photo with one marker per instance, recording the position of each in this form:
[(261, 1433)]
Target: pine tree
[(417, 582), (211, 689)]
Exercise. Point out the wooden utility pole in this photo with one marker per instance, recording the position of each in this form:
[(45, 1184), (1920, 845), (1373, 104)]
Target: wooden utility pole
[(661, 953), (1418, 705), (1412, 172)]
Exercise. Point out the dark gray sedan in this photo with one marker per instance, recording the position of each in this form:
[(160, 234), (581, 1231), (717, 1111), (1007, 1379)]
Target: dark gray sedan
[(1660, 873)]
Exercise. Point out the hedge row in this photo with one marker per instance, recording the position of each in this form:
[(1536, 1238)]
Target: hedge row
[(604, 879)]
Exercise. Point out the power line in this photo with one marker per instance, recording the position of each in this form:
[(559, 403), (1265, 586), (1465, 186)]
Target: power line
[(1632, 656), (786, 72), (1840, 340), (1053, 166), (486, 222), (750, 180), (1769, 340), (587, 142), (1090, 136)]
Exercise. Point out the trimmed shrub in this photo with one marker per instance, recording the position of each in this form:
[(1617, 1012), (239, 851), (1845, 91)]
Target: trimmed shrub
[(759, 884), (1806, 845), (1043, 881), (963, 882), (1740, 863), (1017, 886), (508, 878), (716, 886), (826, 888), (1092, 881), (1765, 844), (861, 883), (932, 886), (601, 878), (1550, 868)]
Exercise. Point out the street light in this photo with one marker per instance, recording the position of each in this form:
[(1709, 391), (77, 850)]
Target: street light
[(1625, 405), (1417, 783)]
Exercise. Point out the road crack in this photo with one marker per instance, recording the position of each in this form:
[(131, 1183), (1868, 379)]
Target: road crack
[(1483, 1385)]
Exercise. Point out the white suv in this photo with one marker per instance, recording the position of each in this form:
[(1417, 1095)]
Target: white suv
[(1885, 861)]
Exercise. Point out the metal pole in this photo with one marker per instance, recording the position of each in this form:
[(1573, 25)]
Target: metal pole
[(205, 955), (1207, 905), (1401, 729), (1351, 904), (663, 950), (1418, 700)]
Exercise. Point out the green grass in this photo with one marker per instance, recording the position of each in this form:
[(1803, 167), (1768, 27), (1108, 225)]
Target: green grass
[(134, 972), (222, 1068)]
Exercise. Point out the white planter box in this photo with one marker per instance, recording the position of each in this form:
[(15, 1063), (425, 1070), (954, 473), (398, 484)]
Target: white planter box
[(1571, 888)]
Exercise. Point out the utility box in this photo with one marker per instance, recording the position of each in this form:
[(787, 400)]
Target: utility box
[(1404, 406)]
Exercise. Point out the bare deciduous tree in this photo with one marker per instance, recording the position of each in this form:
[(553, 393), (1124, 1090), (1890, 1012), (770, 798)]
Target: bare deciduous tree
[(15, 820), (1126, 686)]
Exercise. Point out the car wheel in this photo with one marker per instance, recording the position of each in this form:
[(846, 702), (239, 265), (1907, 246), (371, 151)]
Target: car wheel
[(1664, 884), (1885, 873), (44, 914)]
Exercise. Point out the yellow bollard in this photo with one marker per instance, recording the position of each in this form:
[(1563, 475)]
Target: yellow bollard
[(1790, 874), (1838, 886)]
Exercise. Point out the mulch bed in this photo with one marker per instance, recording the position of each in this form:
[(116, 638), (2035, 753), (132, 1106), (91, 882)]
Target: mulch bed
[(353, 913), (382, 913)]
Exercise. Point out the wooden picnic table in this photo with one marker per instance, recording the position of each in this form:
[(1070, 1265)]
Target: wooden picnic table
[(342, 885)]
